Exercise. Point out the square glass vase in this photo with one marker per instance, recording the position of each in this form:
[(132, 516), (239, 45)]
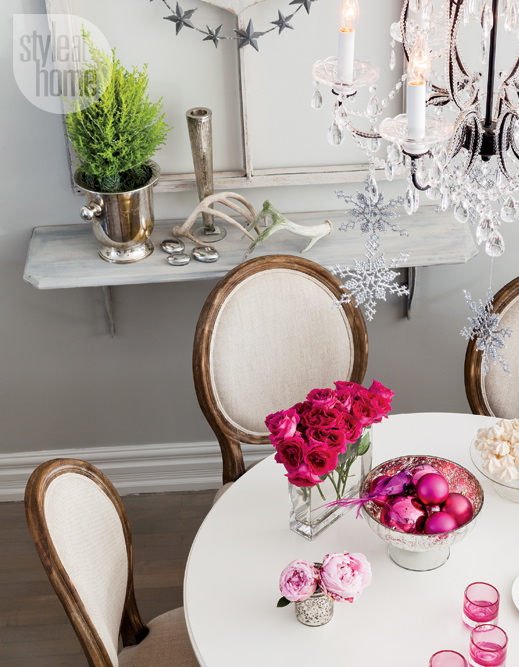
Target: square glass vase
[(310, 512)]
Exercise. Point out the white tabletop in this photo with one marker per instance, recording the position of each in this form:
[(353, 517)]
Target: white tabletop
[(401, 619)]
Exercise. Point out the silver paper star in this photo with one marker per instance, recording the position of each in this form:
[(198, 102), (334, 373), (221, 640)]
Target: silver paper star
[(248, 36), (283, 22), (305, 3), (484, 329), (369, 280), (181, 18), (213, 35)]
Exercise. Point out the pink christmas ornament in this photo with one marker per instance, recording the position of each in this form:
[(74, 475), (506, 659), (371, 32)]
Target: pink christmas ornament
[(460, 507), (432, 489), (421, 470), (439, 522), (405, 514)]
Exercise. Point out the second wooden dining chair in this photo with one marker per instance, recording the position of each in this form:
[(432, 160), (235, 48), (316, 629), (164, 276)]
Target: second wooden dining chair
[(268, 334), (496, 394), (81, 532)]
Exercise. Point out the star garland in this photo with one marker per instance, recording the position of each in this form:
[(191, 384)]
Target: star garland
[(484, 329), (248, 37)]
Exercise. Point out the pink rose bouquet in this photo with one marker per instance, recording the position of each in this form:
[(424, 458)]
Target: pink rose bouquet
[(320, 438), (341, 577)]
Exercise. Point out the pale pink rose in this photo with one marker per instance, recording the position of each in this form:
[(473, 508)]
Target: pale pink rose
[(303, 476), (343, 576), (322, 398), (378, 388), (282, 424), (298, 581)]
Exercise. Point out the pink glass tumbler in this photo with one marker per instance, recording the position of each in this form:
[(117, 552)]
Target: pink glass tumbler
[(480, 604), (488, 646), (447, 659)]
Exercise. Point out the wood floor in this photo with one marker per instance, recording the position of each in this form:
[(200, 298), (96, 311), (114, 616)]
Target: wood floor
[(34, 631)]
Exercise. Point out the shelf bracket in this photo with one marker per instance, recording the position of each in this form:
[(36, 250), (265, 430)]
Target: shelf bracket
[(107, 301)]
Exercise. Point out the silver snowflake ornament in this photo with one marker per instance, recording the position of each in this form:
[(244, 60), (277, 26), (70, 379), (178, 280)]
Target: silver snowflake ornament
[(369, 281), (371, 213), (485, 330)]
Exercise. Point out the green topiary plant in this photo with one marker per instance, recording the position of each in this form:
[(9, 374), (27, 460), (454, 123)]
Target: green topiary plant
[(117, 134)]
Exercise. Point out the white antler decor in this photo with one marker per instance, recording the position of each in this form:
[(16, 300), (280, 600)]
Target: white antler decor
[(246, 210), (314, 232)]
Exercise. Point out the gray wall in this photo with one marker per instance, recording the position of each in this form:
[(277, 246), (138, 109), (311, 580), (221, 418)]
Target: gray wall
[(66, 383)]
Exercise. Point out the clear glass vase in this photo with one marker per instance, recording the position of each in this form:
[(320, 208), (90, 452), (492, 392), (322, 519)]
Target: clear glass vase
[(310, 512)]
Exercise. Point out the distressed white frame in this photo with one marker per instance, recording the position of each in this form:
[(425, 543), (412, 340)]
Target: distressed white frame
[(248, 177)]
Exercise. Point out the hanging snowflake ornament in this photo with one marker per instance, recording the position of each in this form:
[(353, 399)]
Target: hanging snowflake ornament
[(369, 281), (484, 329), (371, 213)]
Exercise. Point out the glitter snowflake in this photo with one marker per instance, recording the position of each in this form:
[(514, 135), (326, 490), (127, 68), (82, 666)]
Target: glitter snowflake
[(371, 213), (484, 329), (369, 281)]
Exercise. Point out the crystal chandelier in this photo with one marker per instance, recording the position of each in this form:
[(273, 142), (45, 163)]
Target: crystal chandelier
[(458, 141)]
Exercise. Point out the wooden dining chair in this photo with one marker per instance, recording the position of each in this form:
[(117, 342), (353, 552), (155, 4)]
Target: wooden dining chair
[(496, 394), (82, 536), (268, 334)]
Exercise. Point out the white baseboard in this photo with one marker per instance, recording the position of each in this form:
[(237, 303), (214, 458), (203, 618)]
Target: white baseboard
[(133, 469)]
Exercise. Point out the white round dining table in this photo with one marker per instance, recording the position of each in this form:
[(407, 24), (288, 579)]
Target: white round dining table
[(400, 620)]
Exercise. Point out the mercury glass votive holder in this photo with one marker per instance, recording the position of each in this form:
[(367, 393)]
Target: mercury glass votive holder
[(480, 604), (488, 644), (447, 659), (315, 610)]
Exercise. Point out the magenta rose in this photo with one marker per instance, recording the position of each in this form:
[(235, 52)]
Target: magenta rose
[(378, 388), (380, 406), (322, 398), (321, 459), (290, 452), (352, 428), (351, 388), (343, 400), (323, 419), (298, 581), (303, 476), (343, 576), (363, 409), (333, 437), (282, 424)]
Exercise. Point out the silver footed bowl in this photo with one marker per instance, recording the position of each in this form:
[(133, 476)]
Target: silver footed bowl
[(422, 552)]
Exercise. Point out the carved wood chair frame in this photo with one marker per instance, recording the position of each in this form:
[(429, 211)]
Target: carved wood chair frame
[(474, 380), (132, 630), (229, 436)]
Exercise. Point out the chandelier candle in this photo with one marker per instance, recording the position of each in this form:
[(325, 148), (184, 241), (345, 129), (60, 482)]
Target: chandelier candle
[(348, 19), (418, 70)]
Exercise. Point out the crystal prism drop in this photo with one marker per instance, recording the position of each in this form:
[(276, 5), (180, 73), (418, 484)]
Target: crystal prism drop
[(373, 144), (441, 157), (461, 212), (409, 200), (390, 172), (495, 245), (415, 5), (466, 14), (392, 60), (436, 172), (487, 19), (475, 8), (395, 32), (509, 211), (372, 188), (445, 202), (341, 116), (416, 200), (335, 135), (374, 108), (511, 18), (483, 230), (317, 100), (484, 50), (433, 193)]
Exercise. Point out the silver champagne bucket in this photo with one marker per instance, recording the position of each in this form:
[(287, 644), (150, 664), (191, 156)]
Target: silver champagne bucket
[(122, 222)]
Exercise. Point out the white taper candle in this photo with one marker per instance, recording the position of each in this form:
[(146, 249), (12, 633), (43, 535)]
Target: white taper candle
[(416, 109), (345, 55)]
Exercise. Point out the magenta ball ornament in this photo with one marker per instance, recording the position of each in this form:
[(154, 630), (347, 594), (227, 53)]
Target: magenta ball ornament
[(460, 507), (421, 470), (405, 514), (432, 489), (439, 522)]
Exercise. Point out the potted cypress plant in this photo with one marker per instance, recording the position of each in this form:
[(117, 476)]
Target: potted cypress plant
[(114, 138)]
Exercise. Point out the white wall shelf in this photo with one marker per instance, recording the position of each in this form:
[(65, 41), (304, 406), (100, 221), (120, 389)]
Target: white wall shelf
[(66, 256)]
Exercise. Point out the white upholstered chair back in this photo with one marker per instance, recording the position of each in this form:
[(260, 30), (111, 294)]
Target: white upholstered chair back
[(81, 532), (269, 333), (497, 393), (86, 531)]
